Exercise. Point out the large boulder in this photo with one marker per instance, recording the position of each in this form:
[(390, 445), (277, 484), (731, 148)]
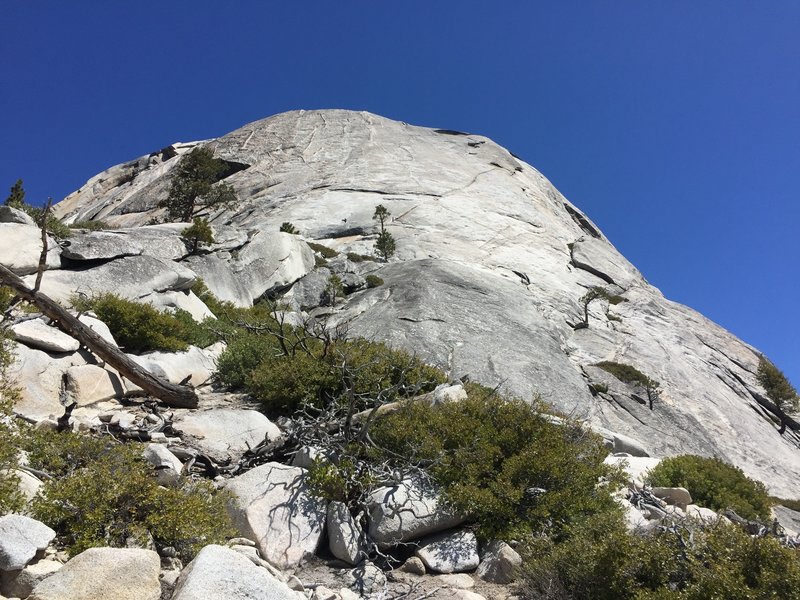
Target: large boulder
[(407, 511), (225, 434), (345, 536), (37, 334), (21, 247), (104, 574), (219, 573), (88, 384), (500, 563), (185, 300), (21, 539), (449, 552), (270, 260), (194, 365), (20, 584), (272, 506), (9, 214)]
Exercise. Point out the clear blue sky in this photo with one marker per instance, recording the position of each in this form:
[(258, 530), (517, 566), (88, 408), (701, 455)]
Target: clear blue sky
[(674, 125)]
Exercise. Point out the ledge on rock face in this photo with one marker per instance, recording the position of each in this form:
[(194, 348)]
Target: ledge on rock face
[(104, 573), (219, 573), (272, 506), (99, 245), (130, 277)]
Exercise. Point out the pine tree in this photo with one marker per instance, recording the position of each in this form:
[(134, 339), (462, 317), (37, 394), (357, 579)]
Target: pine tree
[(193, 186), (778, 388), (384, 245), (197, 234), (16, 198)]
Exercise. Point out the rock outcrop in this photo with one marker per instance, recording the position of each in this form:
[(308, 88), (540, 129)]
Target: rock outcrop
[(490, 265)]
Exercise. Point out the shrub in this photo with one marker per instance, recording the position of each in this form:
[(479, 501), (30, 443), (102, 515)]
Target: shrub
[(114, 499), (90, 225), (502, 462), (334, 290), (323, 250), (243, 354), (141, 328), (714, 484), (10, 497), (357, 258), (373, 281), (287, 227), (6, 296), (632, 375), (601, 561), (385, 245)]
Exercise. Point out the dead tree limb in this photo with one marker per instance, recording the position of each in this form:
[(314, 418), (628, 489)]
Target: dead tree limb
[(170, 394), (43, 255)]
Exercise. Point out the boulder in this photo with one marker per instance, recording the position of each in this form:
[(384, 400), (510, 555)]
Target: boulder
[(449, 393), (194, 365), (500, 563), (310, 291), (449, 552), (226, 434), (29, 484), (21, 583), (185, 300), (21, 246), (634, 518), (98, 327), (366, 579), (104, 574), (219, 573), (21, 539), (413, 565), (621, 444), (272, 506), (345, 537), (408, 511), (131, 277), (9, 214), (636, 468), (87, 384), (674, 496), (99, 245), (35, 333), (168, 466), (704, 514)]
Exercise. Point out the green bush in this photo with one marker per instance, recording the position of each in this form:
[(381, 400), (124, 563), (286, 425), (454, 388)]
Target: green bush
[(243, 354), (6, 296), (323, 250), (141, 328), (502, 462), (114, 498), (777, 386), (90, 225), (357, 258), (287, 227), (197, 234), (373, 281), (10, 498), (714, 484), (600, 560)]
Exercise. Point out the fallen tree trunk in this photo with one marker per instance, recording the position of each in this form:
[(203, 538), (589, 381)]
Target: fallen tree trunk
[(177, 396)]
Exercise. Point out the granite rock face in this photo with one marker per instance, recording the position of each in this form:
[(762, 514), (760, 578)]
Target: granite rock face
[(490, 265)]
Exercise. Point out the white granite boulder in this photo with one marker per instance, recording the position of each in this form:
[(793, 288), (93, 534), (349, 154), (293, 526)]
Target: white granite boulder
[(99, 245), (88, 384), (35, 333), (272, 506), (21, 539), (675, 496), (219, 573), (499, 563), (9, 214), (226, 433), (345, 536), (98, 327), (104, 574), (194, 365), (449, 393), (21, 247), (20, 584), (449, 552), (168, 466), (408, 511)]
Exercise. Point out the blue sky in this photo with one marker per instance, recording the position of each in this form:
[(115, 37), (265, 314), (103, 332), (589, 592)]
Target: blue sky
[(674, 125)]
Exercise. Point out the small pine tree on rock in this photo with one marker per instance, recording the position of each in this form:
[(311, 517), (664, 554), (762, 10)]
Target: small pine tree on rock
[(385, 245), (197, 234), (779, 390), (16, 199), (194, 186)]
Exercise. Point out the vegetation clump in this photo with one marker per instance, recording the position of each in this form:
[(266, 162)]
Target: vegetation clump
[(287, 227), (16, 199), (600, 560), (10, 497), (373, 281), (502, 462), (632, 375), (357, 258), (714, 484), (139, 327), (90, 225), (104, 494)]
